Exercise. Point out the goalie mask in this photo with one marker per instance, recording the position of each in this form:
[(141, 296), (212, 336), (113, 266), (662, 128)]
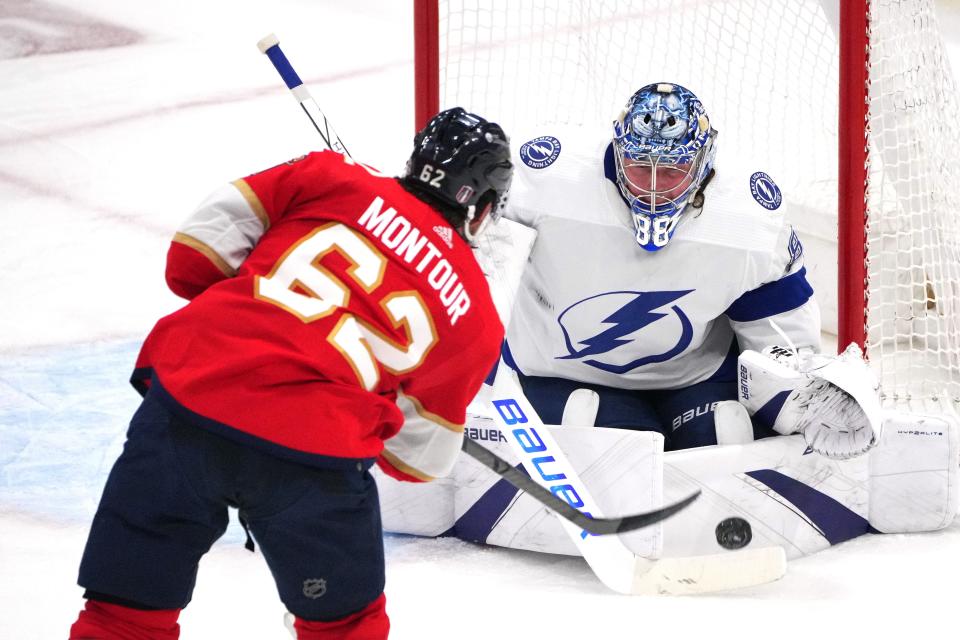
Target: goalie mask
[(461, 166), (664, 148)]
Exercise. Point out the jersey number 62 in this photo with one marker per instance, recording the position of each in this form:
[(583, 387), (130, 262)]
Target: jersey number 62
[(299, 284)]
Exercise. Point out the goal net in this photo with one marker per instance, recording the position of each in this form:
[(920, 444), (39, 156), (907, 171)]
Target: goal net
[(769, 73)]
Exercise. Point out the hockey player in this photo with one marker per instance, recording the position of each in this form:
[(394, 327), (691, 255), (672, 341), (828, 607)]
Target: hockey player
[(665, 288), (655, 265), (337, 317)]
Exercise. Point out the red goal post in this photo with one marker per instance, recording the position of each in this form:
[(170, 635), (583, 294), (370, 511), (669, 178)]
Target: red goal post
[(850, 105), (853, 98)]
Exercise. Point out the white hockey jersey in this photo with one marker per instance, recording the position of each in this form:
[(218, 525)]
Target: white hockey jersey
[(596, 307)]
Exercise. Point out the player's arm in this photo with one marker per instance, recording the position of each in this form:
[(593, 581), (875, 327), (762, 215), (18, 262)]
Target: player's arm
[(426, 446), (212, 243), (785, 299), (525, 202), (784, 382), (434, 404)]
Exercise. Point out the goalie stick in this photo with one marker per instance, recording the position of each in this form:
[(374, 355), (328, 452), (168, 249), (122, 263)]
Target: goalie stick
[(611, 560), (613, 563)]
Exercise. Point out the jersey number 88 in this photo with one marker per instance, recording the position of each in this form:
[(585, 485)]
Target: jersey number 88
[(656, 229)]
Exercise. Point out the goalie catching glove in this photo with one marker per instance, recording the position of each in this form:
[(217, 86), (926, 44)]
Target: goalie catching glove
[(832, 400)]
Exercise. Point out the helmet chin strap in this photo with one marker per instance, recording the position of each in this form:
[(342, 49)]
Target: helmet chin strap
[(465, 230), (468, 220)]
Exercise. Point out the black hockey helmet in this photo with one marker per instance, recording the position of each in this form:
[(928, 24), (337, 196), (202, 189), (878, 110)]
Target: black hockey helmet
[(461, 165)]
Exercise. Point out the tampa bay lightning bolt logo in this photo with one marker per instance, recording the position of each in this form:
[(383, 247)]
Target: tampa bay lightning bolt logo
[(795, 248), (620, 317), (765, 191), (540, 152)]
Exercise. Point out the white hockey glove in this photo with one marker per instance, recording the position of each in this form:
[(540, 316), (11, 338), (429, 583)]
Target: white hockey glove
[(832, 400)]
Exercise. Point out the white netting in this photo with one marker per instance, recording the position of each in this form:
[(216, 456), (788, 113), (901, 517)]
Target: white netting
[(767, 71), (913, 314)]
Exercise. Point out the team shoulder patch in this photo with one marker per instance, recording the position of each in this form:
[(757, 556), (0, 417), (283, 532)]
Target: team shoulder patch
[(765, 191), (541, 152)]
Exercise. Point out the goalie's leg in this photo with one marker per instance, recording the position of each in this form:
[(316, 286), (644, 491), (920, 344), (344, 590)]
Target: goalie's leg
[(554, 398), (704, 414)]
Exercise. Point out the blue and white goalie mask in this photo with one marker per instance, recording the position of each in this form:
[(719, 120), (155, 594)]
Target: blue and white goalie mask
[(664, 148)]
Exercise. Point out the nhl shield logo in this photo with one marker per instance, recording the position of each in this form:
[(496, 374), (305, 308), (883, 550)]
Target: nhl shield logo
[(314, 588)]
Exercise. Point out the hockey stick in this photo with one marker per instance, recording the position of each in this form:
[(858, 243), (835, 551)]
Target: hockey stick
[(593, 526), (614, 564), (270, 45)]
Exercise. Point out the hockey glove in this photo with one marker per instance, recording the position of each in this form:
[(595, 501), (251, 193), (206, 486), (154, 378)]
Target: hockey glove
[(832, 400)]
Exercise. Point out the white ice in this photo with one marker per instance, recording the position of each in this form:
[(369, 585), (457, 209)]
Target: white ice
[(123, 116)]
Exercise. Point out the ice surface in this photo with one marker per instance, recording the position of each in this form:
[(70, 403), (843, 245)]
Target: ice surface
[(115, 120)]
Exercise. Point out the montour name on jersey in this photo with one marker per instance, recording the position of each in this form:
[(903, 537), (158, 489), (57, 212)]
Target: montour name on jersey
[(408, 242)]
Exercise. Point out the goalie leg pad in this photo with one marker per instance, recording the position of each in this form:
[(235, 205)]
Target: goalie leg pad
[(914, 474), (419, 508), (623, 469)]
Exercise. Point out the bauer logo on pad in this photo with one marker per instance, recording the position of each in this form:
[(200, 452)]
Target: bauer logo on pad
[(765, 191), (540, 152)]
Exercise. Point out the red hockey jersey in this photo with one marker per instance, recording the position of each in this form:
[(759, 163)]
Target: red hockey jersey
[(331, 311)]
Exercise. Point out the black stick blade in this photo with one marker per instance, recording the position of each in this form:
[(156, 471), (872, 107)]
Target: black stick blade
[(593, 526), (629, 523)]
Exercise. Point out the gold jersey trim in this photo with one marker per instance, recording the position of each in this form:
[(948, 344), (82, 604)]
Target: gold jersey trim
[(253, 201), (405, 468), (207, 252), (432, 417)]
